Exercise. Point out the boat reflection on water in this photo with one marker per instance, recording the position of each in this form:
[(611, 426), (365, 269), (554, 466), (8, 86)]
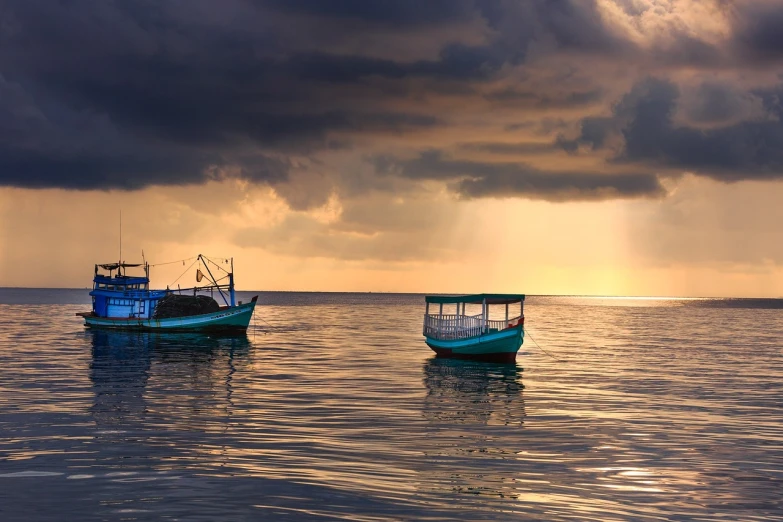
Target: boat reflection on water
[(147, 384), (476, 413), (119, 372), (125, 344), (472, 392)]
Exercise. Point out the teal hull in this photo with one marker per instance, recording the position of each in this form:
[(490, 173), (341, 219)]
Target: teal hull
[(234, 319), (499, 346)]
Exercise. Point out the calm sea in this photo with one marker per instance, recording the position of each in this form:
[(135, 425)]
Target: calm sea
[(333, 408)]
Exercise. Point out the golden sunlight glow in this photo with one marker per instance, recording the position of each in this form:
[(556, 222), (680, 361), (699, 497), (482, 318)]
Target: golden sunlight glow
[(447, 245)]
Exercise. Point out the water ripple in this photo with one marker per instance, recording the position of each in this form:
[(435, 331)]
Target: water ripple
[(335, 409)]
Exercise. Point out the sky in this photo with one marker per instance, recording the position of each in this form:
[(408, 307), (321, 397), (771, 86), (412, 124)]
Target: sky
[(599, 147)]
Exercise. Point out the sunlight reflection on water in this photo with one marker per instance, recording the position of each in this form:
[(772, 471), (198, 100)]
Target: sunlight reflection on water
[(654, 409)]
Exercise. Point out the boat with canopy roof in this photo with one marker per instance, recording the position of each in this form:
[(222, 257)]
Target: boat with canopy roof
[(125, 301), (491, 337)]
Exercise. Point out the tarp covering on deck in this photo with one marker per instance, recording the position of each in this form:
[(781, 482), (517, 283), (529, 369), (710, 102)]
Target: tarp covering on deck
[(175, 305)]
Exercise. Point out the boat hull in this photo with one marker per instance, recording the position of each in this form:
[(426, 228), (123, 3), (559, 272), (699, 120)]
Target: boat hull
[(234, 319), (499, 346)]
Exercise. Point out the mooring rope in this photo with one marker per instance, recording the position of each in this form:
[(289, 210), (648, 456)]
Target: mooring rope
[(539, 346), (255, 324), (269, 325)]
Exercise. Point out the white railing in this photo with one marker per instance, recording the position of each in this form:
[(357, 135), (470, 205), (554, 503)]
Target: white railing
[(451, 326), (502, 325)]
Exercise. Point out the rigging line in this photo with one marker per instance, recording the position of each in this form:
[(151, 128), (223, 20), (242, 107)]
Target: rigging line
[(206, 267), (212, 260), (215, 257), (185, 272), (172, 262), (214, 263), (539, 346)]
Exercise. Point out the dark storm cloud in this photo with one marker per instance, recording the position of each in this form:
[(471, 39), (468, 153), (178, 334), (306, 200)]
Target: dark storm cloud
[(138, 93), (397, 13), (577, 26), (518, 98), (456, 62), (645, 121), (179, 98), (482, 179), (499, 148), (183, 91), (543, 127), (87, 172), (746, 150), (757, 30), (594, 132), (754, 39), (716, 103), (685, 50)]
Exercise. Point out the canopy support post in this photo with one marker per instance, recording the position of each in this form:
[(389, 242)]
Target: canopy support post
[(484, 314), (426, 317)]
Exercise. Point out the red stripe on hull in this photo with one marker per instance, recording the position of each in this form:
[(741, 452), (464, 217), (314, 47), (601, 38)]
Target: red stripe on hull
[(501, 357)]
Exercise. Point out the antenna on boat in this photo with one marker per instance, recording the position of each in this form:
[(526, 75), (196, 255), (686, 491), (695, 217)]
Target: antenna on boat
[(120, 260)]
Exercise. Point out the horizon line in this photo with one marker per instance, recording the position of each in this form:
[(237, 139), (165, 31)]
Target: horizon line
[(593, 296)]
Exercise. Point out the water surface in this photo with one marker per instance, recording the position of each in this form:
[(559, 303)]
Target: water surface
[(332, 407)]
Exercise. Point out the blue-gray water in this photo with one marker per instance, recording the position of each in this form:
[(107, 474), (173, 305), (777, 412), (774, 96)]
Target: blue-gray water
[(336, 409)]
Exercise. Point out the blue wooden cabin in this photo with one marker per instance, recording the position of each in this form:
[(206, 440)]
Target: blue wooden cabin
[(119, 295)]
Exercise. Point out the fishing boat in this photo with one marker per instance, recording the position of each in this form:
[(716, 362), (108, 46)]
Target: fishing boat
[(125, 301), (475, 336)]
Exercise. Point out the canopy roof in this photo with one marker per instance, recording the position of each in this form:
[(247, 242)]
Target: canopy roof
[(115, 266), (129, 280), (475, 298)]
